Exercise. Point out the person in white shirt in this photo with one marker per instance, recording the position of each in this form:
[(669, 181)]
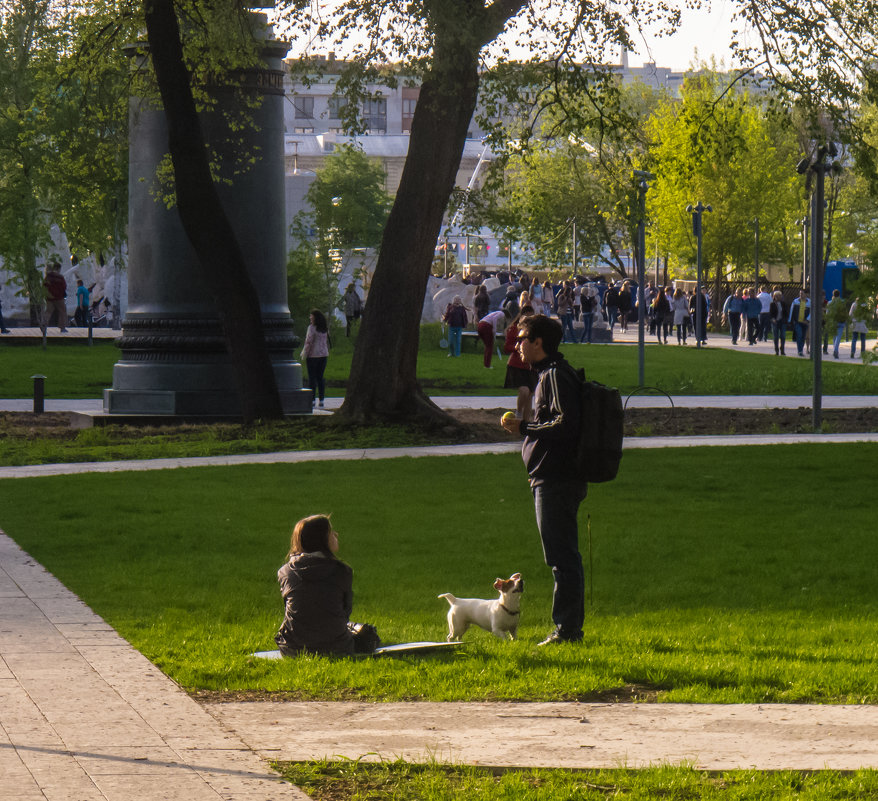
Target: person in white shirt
[(764, 297)]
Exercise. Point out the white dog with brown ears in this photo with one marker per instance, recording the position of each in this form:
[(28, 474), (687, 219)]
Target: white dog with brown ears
[(499, 616)]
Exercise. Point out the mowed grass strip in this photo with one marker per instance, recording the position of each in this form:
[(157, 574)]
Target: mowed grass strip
[(360, 780), (739, 574), (75, 370)]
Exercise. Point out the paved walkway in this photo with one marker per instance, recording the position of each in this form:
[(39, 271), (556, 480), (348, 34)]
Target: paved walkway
[(85, 717), (646, 399), (718, 340), (565, 735)]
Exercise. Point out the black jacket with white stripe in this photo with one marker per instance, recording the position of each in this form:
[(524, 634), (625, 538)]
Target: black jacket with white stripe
[(552, 438)]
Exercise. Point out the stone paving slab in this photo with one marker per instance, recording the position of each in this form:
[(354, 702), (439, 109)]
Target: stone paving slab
[(85, 717), (565, 735)]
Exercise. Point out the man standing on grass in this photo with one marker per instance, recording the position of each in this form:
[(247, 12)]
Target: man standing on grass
[(549, 453)]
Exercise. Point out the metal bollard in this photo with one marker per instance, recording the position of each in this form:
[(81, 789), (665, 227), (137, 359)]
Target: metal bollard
[(39, 393)]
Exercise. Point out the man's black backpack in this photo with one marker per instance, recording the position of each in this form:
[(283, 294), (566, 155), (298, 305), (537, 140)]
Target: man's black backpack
[(602, 422)]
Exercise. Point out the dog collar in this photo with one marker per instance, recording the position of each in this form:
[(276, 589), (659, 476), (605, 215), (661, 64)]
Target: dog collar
[(508, 611)]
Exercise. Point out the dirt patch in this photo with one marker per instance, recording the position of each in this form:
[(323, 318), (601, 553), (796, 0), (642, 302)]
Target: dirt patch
[(483, 425), (675, 422)]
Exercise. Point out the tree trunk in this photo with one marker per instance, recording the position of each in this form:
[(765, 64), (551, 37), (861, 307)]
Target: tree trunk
[(205, 222), (383, 380)]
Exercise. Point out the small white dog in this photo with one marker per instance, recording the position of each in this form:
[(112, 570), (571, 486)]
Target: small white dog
[(499, 616)]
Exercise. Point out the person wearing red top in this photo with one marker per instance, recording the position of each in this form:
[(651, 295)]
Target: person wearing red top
[(519, 374)]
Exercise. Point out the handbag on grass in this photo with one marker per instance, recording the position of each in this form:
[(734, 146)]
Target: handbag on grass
[(366, 637)]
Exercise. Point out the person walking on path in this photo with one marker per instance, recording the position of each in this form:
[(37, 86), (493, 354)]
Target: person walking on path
[(548, 298), (315, 352), (800, 314), (700, 305), (611, 305), (456, 318), (732, 310), (681, 315), (564, 302), (660, 310), (492, 324), (625, 305), (764, 298), (56, 292), (835, 318), (859, 314), (589, 309), (779, 314), (752, 310), (549, 453)]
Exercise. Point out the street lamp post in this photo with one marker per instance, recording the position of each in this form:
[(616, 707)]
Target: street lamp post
[(815, 171), (755, 223), (641, 176), (804, 224), (697, 211)]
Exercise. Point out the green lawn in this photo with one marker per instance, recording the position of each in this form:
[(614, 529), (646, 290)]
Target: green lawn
[(720, 574), (361, 781), (75, 370)]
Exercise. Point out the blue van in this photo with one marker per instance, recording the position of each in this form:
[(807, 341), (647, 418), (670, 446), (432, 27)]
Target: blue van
[(840, 275)]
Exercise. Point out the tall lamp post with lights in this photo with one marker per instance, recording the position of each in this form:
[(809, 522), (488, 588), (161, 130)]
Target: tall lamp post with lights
[(755, 225), (641, 177), (804, 224), (697, 211), (814, 169)]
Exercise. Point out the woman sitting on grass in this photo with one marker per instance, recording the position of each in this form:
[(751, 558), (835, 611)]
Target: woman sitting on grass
[(317, 589)]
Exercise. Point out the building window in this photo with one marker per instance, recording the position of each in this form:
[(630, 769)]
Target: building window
[(336, 107), (375, 115), (301, 129), (408, 112), (304, 107)]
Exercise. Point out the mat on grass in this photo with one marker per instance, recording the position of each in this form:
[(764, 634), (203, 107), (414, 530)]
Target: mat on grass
[(385, 650)]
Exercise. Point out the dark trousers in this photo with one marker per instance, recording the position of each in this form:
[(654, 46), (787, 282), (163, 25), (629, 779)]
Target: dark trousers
[(779, 331), (764, 325), (752, 330), (316, 367), (735, 326), (587, 325), (556, 504), (800, 331)]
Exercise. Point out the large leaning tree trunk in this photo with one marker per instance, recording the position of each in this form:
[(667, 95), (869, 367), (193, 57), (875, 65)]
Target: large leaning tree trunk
[(205, 222), (383, 381)]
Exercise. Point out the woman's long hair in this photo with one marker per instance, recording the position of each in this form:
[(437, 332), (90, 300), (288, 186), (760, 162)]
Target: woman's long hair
[(319, 321), (311, 534)]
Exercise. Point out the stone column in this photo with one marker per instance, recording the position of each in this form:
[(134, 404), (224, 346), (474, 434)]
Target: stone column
[(174, 359)]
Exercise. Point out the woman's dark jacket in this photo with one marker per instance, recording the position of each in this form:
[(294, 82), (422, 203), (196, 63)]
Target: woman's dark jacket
[(318, 597)]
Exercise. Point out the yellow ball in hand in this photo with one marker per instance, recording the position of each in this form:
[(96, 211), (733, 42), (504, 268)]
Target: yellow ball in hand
[(507, 416)]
